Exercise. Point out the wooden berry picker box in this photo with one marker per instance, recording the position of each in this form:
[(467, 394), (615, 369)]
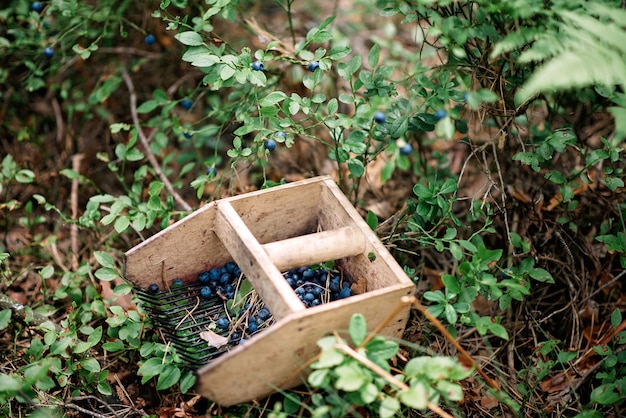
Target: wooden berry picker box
[(245, 286)]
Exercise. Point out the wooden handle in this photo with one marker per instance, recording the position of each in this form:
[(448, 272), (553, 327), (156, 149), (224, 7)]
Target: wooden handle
[(255, 263), (316, 248)]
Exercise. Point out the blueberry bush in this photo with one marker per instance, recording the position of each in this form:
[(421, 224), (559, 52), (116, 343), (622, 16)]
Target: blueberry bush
[(481, 140)]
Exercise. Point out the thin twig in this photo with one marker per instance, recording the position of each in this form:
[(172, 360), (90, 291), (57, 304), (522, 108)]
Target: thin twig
[(144, 141), (76, 159)]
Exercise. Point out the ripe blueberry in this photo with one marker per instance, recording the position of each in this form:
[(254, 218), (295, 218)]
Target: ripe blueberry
[(36, 7), (153, 288), (345, 293), (186, 103), (440, 114), (48, 52), (406, 149), (149, 39), (224, 278), (506, 274), (379, 117), (177, 283), (269, 144), (253, 326), (203, 277), (223, 322), (281, 134), (214, 274), (211, 171), (263, 314), (258, 66), (313, 65), (231, 266), (187, 135), (206, 292)]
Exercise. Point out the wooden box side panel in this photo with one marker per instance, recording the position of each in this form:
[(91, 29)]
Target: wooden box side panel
[(182, 250), (272, 359), (379, 271), (282, 212)]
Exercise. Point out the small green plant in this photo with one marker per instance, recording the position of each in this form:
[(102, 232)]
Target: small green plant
[(612, 388), (358, 374)]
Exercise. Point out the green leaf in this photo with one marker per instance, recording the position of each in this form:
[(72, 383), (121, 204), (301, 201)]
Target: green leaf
[(90, 364), (169, 377), (187, 381), (372, 220), (332, 106), (356, 167), (104, 259), (451, 391), (389, 407), (350, 377), (147, 107), (106, 274), (272, 98), (451, 284), (540, 275), (104, 388), (189, 38), (451, 315), (381, 348), (616, 318), (373, 56), (498, 330), (328, 358), (5, 318), (318, 378), (358, 329), (121, 223), (416, 397), (456, 251), (10, 384)]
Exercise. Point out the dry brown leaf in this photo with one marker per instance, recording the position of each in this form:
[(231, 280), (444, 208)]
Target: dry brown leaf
[(214, 340)]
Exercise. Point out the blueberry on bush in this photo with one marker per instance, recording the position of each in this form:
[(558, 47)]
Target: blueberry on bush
[(258, 66), (187, 135), (149, 39), (48, 52), (211, 171), (313, 65), (177, 283), (440, 114), (406, 149), (36, 6), (379, 117), (186, 103), (281, 134), (153, 288), (269, 144)]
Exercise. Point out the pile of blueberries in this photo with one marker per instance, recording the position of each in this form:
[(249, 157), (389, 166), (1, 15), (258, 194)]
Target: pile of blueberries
[(315, 286)]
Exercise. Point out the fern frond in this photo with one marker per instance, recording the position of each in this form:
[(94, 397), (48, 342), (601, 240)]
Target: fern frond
[(517, 40), (590, 52)]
